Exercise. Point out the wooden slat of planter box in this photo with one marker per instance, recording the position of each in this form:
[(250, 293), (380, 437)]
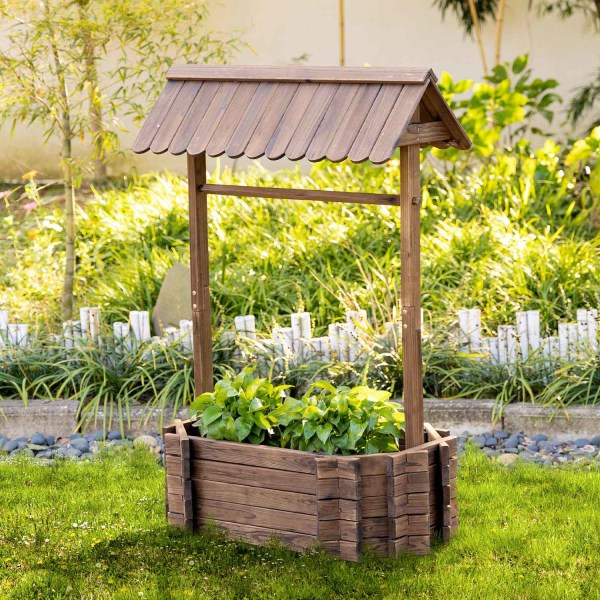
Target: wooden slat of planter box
[(253, 455), (373, 485), (370, 464), (378, 545), (261, 517), (172, 445), (173, 465), (419, 544), (341, 530), (174, 485), (374, 506), (206, 489), (262, 535), (374, 527), (253, 476)]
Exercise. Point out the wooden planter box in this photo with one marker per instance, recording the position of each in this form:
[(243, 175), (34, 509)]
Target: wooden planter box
[(391, 502)]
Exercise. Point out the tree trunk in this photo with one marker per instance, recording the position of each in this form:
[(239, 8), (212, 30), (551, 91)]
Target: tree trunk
[(67, 168)]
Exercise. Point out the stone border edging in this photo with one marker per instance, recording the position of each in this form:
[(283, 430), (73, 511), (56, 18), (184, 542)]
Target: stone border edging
[(458, 415)]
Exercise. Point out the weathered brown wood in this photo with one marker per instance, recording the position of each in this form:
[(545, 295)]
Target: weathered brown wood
[(202, 327), (173, 465), (311, 120), (374, 122), (328, 528), (231, 118), (249, 122), (253, 476), (370, 464), (172, 444), (292, 117), (426, 134), (340, 144), (432, 434), (255, 496), (270, 120), (401, 114), (253, 455), (298, 194), (374, 527), (211, 119), (174, 484), (410, 193), (252, 515), (300, 74), (186, 484), (419, 544), (437, 106), (175, 519), (261, 535), (332, 120), (372, 485), (190, 122), (156, 116), (173, 118)]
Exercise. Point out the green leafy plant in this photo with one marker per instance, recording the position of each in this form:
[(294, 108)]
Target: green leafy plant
[(501, 108), (243, 409), (326, 419)]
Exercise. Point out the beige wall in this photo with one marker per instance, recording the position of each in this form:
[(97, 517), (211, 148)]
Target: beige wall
[(378, 32)]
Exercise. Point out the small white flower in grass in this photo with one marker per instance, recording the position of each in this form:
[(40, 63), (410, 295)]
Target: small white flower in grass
[(46, 540), (98, 565), (75, 525)]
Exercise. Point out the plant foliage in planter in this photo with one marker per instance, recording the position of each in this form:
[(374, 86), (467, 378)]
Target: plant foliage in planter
[(326, 419)]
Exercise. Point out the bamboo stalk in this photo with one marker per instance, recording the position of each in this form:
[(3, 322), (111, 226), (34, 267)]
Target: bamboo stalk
[(477, 26), (499, 28)]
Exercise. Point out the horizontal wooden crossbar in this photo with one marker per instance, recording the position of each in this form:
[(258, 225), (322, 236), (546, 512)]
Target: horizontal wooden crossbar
[(295, 194)]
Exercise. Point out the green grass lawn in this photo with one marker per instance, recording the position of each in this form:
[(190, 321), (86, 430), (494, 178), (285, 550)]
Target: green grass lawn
[(97, 530)]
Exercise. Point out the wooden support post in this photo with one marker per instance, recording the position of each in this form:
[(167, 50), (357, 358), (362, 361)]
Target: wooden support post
[(203, 368), (410, 201)]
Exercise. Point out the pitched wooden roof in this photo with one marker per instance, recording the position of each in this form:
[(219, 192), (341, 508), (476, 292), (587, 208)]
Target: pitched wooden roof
[(298, 112)]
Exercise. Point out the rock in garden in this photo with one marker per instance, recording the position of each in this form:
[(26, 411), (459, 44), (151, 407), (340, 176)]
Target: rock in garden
[(145, 441), (507, 459), (39, 439), (500, 434), (46, 454), (73, 452), (11, 446), (581, 442), (511, 450), (115, 434), (491, 442), (81, 444), (50, 440), (479, 441), (98, 436), (540, 437), (595, 440), (512, 441)]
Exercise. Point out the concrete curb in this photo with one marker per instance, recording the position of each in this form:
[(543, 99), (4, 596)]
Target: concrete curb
[(461, 414)]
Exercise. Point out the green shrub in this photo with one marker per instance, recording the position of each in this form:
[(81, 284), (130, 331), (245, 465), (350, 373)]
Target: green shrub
[(326, 419)]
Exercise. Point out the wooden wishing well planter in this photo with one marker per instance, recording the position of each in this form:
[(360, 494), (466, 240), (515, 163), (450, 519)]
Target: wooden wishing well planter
[(392, 502)]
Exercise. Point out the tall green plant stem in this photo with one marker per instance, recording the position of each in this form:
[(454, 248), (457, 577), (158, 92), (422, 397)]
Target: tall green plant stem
[(67, 170)]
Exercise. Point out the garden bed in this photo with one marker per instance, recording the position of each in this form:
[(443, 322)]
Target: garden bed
[(391, 503)]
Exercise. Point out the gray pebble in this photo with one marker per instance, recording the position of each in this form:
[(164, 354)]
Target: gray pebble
[(581, 442), (98, 436), (540, 437), (491, 442), (50, 440), (500, 434), (595, 440), (512, 441), (39, 439), (479, 441), (115, 434), (81, 444), (73, 453), (511, 451), (11, 446), (46, 454)]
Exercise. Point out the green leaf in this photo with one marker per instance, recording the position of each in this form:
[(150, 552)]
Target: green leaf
[(324, 431), (519, 64), (211, 414), (242, 429), (255, 405), (261, 420)]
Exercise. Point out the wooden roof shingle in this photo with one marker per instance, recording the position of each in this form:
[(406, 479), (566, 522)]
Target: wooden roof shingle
[(298, 112)]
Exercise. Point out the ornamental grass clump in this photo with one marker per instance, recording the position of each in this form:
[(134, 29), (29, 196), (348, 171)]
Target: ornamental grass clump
[(326, 419)]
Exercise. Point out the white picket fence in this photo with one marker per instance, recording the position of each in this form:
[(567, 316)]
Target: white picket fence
[(519, 341), (345, 341)]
